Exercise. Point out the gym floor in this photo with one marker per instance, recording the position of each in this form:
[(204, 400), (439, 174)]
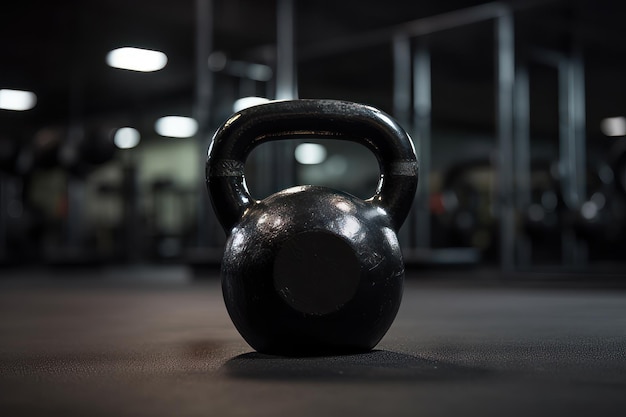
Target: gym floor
[(155, 341)]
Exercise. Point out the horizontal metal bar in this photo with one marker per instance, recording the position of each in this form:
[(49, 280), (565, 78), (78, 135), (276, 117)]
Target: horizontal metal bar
[(419, 27)]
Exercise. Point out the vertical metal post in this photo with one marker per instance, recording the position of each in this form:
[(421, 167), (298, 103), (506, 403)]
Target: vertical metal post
[(505, 70), (567, 160), (580, 142), (572, 167), (402, 79), (579, 121), (402, 110), (286, 89), (286, 86), (572, 159), (206, 221), (522, 163), (422, 107)]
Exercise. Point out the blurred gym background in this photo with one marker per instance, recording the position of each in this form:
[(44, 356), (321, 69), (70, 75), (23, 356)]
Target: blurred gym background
[(517, 110)]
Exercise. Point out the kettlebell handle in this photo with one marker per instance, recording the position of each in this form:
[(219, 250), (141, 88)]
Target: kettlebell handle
[(235, 139)]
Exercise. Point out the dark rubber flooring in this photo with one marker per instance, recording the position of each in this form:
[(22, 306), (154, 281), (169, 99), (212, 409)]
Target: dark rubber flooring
[(154, 342)]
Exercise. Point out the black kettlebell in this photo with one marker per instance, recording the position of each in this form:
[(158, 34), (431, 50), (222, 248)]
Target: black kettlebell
[(311, 270)]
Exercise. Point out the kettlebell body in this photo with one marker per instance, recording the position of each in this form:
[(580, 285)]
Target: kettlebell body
[(312, 270)]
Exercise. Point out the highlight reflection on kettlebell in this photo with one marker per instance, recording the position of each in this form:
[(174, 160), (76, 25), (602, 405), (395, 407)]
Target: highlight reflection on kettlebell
[(310, 269)]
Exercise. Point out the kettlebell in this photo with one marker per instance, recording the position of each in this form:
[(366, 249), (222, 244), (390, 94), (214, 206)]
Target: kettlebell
[(311, 270)]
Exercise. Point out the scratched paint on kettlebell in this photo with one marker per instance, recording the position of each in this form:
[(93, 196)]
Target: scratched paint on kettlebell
[(371, 259), (227, 168)]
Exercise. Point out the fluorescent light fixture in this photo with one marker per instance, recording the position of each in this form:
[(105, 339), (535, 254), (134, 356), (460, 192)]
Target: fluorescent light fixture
[(245, 102), (126, 138), (613, 126), (176, 126), (17, 100), (136, 59), (310, 153)]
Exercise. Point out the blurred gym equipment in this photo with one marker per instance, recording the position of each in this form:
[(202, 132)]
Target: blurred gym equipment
[(541, 217), (571, 162), (466, 207), (431, 66), (171, 224), (21, 223), (601, 218), (77, 152)]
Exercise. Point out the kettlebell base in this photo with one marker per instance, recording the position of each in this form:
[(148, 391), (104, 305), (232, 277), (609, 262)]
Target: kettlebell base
[(289, 349)]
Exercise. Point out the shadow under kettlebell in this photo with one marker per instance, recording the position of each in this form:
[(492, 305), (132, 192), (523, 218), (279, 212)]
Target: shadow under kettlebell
[(372, 366)]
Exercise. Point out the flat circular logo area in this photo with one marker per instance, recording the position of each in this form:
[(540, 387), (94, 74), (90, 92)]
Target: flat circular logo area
[(316, 272)]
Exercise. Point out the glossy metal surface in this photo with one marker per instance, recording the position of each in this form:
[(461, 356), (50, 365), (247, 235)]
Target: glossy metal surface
[(312, 270)]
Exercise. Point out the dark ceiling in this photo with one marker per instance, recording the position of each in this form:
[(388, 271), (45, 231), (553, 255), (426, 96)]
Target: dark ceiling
[(57, 49)]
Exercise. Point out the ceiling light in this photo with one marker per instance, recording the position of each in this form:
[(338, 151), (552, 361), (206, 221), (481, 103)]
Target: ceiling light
[(245, 102), (176, 126), (17, 100), (136, 59), (126, 138), (310, 153), (613, 126)]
